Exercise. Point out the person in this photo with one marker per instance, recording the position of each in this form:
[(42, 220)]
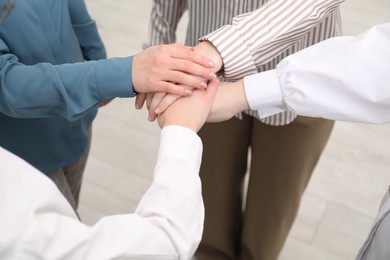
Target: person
[(54, 74), (342, 78), (284, 148), (38, 223)]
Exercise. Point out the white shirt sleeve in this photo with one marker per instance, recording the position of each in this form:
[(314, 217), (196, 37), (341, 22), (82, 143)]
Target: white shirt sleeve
[(343, 78), (38, 223)]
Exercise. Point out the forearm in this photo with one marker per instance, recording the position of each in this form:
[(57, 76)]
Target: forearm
[(167, 224), (343, 78), (68, 90), (255, 38), (175, 196), (229, 100)]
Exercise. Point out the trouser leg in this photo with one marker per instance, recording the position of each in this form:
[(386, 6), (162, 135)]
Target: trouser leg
[(283, 159), (224, 164)]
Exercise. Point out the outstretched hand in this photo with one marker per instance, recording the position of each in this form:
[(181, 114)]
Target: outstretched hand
[(173, 68), (190, 111)]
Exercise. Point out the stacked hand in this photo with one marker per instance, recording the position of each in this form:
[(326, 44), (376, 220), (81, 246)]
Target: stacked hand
[(190, 111), (174, 69), (180, 71)]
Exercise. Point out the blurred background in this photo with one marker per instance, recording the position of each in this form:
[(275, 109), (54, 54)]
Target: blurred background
[(342, 198)]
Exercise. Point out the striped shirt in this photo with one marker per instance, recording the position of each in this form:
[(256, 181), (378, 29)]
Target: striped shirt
[(251, 35)]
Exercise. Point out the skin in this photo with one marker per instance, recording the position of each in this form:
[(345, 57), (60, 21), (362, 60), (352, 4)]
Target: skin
[(230, 98), (173, 68), (158, 102), (190, 111)]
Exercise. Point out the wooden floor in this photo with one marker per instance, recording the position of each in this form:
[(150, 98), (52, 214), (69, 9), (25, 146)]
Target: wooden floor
[(343, 195)]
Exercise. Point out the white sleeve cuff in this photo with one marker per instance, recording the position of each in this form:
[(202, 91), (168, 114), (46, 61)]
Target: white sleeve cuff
[(181, 143), (264, 94)]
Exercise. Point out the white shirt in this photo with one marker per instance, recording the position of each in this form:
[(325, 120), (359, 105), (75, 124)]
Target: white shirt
[(36, 221), (342, 78)]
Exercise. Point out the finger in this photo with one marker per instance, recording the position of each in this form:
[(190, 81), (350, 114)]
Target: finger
[(189, 67), (155, 102), (181, 78), (169, 87), (140, 100), (189, 54), (165, 103), (149, 98)]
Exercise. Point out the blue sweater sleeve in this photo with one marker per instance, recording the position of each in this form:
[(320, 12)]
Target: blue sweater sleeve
[(86, 31), (68, 90)]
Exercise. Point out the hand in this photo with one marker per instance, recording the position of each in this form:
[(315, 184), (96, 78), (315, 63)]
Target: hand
[(161, 101), (190, 111), (168, 68), (156, 103), (207, 49), (229, 100)]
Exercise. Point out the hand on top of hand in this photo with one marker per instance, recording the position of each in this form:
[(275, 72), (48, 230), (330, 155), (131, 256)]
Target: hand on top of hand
[(173, 68), (157, 103), (190, 111)]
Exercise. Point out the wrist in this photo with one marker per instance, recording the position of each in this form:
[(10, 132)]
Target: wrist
[(241, 103), (187, 125)]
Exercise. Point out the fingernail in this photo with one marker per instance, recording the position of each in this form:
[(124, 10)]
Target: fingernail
[(150, 118), (212, 75), (211, 64), (188, 92), (157, 111), (137, 106), (203, 85)]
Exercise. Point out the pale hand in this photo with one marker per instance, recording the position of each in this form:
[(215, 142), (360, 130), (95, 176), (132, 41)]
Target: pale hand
[(167, 68), (190, 111), (157, 103)]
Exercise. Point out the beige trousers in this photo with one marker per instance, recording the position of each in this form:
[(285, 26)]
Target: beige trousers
[(283, 159)]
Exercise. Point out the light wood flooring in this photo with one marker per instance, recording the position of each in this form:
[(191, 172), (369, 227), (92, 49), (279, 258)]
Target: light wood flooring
[(343, 195)]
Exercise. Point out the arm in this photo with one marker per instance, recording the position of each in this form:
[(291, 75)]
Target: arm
[(86, 31), (344, 78), (167, 223), (164, 19), (255, 38), (70, 90)]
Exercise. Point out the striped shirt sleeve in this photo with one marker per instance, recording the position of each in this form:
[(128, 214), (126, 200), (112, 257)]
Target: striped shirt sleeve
[(255, 38)]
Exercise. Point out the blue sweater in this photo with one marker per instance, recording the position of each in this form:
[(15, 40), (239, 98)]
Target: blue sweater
[(50, 83)]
